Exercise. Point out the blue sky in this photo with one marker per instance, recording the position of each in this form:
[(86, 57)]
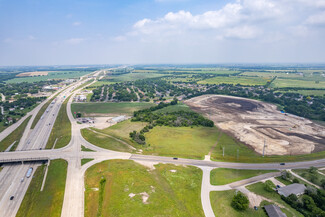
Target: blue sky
[(48, 32)]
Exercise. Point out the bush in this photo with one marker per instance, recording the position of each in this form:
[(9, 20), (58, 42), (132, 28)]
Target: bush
[(240, 201), (295, 180), (269, 186)]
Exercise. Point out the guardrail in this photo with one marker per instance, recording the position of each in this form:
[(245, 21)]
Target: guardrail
[(16, 160)]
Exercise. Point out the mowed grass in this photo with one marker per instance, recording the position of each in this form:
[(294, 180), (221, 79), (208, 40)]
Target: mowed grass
[(308, 92), (132, 77), (222, 176), (121, 108), (280, 83), (48, 202), (61, 129), (14, 136), (172, 190), (258, 188), (104, 141), (243, 80), (122, 130), (221, 205), (183, 142), (100, 83), (86, 160)]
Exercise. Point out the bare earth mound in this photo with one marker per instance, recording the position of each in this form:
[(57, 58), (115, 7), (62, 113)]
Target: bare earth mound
[(252, 122)]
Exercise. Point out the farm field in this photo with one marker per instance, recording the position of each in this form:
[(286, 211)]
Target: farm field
[(48, 202), (308, 92), (273, 74), (131, 189), (281, 83), (132, 77), (221, 205), (189, 71), (258, 188), (51, 75), (183, 142), (105, 109), (243, 80), (222, 176), (174, 108)]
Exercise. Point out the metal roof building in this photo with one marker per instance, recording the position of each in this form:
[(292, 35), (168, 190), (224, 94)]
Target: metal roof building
[(274, 211), (296, 189)]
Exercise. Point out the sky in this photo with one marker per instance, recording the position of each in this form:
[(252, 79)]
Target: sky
[(81, 32)]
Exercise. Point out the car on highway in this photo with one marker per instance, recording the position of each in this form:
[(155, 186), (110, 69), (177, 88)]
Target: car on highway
[(22, 179), (175, 158), (12, 197), (29, 172), (282, 164)]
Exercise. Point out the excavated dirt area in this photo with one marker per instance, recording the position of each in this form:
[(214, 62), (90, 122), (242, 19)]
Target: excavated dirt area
[(253, 122)]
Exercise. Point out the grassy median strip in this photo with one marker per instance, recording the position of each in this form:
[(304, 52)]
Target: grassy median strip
[(223, 176), (134, 190), (83, 148), (61, 129), (48, 202), (86, 160), (103, 141), (14, 136)]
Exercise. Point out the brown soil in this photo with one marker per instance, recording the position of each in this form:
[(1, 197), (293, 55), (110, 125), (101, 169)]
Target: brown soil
[(253, 122)]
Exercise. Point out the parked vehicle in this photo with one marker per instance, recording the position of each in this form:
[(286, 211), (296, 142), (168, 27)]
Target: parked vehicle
[(12, 197)]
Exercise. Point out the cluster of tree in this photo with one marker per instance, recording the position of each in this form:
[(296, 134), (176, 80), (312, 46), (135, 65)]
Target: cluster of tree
[(4, 76), (269, 186), (138, 137), (24, 87), (311, 204), (22, 102), (124, 93), (240, 201)]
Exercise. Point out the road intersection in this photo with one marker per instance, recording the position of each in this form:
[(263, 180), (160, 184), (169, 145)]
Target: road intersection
[(73, 205)]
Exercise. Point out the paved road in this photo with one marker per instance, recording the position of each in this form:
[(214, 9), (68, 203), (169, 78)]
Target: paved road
[(74, 192)]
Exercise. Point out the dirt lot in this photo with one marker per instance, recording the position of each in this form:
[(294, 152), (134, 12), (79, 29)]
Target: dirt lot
[(32, 74), (253, 122)]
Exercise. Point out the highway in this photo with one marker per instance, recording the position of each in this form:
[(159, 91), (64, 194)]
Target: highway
[(73, 205), (11, 183)]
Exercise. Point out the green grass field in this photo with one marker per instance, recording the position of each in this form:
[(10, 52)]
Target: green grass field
[(184, 142), (273, 74), (48, 202), (61, 129), (243, 80), (100, 83), (308, 92), (172, 190), (258, 188), (221, 205), (174, 108), (14, 136), (280, 83), (284, 181), (86, 160), (121, 108), (104, 141), (83, 148), (222, 176), (51, 75), (132, 77)]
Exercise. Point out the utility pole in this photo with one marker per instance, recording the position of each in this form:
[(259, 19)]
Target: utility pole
[(264, 148), (237, 154), (223, 151)]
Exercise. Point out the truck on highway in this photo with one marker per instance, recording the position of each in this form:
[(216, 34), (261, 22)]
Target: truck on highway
[(29, 172)]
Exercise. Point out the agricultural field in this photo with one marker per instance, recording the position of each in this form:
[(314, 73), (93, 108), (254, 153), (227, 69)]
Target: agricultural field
[(48, 202), (282, 83), (126, 188), (273, 74), (223, 176), (100, 83), (106, 109), (131, 77), (50, 75), (174, 108), (307, 92), (243, 80)]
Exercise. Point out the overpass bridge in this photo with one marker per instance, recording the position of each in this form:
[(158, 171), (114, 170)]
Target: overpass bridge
[(24, 160)]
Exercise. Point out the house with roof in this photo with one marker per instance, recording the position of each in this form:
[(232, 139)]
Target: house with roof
[(296, 189), (274, 211)]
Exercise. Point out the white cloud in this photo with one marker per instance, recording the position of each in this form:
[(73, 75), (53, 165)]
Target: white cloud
[(316, 19), (76, 23), (74, 41)]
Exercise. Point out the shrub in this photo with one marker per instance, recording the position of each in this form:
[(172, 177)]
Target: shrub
[(240, 201)]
